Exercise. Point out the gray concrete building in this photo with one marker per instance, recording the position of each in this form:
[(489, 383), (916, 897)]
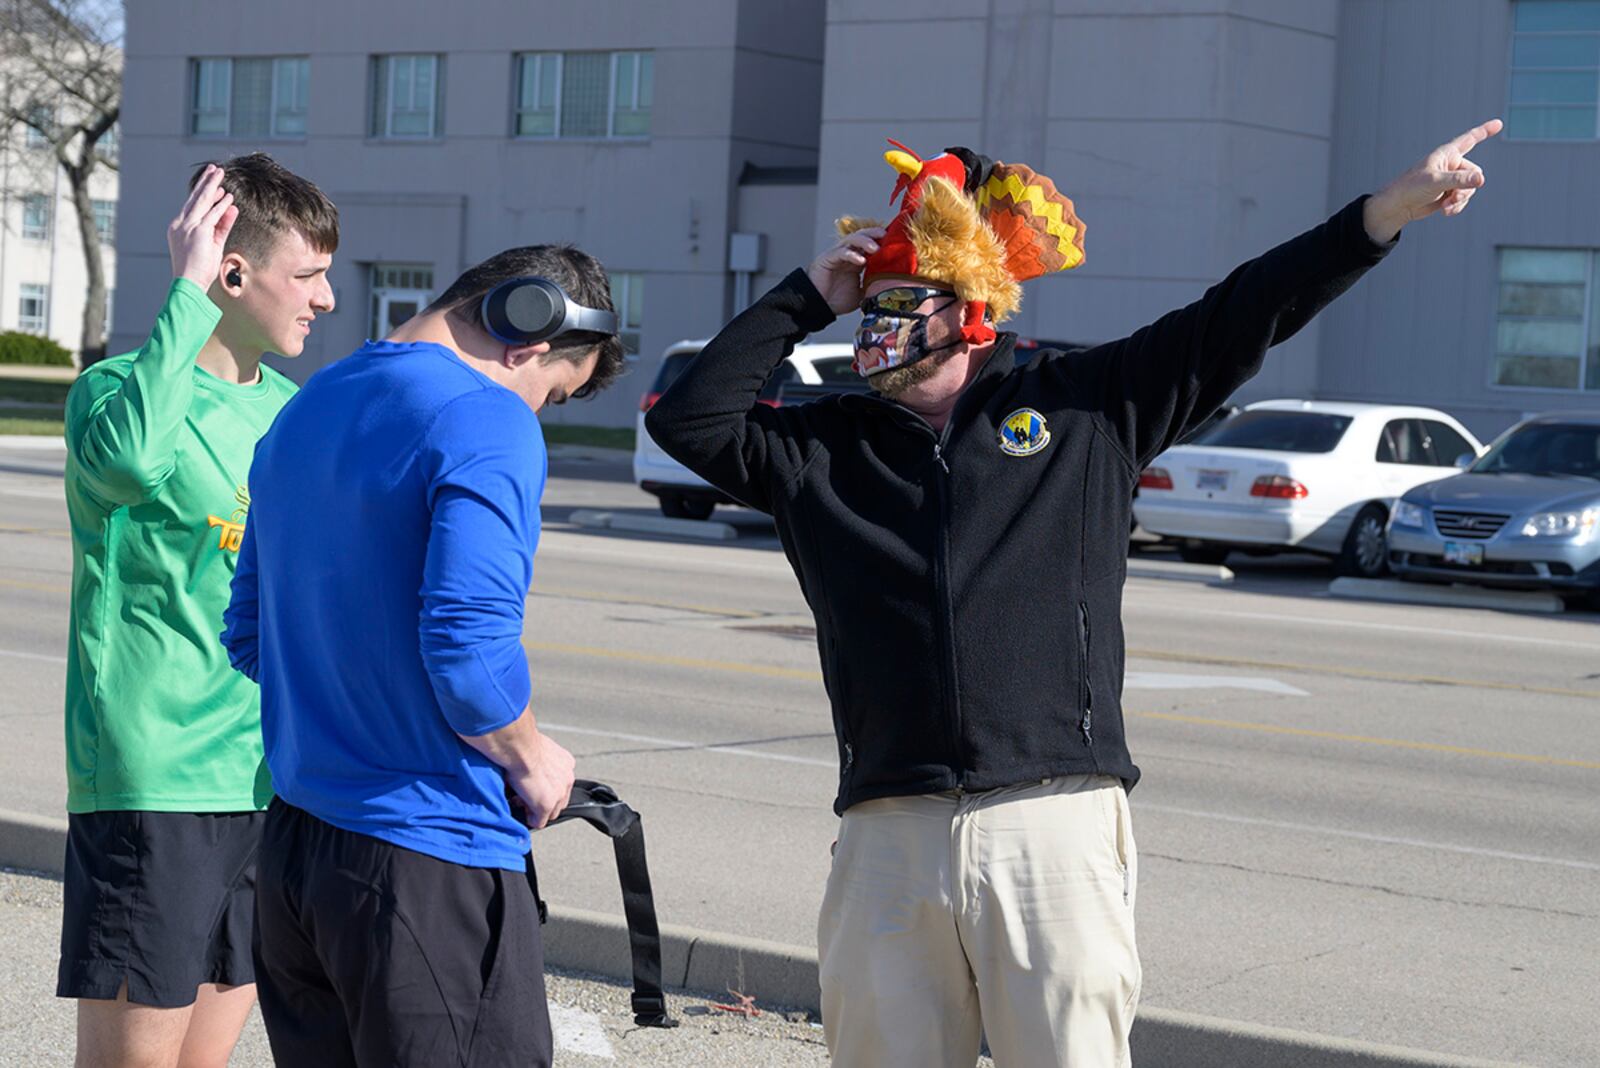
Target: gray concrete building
[(1192, 134)]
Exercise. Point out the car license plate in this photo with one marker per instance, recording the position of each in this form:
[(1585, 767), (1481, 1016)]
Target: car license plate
[(1456, 552), (1212, 480)]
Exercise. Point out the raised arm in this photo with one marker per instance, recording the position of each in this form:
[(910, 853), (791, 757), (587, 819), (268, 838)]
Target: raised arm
[(122, 430), (1170, 375), (486, 470), (708, 419)]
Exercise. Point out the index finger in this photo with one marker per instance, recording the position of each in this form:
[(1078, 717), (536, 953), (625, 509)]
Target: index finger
[(205, 192), (1476, 136)]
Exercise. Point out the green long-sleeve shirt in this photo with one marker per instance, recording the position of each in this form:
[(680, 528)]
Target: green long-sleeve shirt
[(158, 452)]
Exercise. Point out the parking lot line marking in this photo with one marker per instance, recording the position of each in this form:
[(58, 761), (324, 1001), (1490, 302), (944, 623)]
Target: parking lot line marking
[(769, 670), (1364, 739), (1362, 836), (20, 584), (1357, 673), (609, 598), (12, 528), (1168, 607)]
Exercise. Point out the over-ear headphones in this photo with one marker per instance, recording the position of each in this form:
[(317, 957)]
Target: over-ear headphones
[(233, 277), (525, 311)]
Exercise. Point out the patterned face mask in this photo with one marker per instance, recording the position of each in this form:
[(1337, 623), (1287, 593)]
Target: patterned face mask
[(892, 333)]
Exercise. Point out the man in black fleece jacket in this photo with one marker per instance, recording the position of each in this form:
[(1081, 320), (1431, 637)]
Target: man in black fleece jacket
[(961, 538)]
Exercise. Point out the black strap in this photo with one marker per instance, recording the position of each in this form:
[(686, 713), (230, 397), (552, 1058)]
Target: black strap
[(598, 805)]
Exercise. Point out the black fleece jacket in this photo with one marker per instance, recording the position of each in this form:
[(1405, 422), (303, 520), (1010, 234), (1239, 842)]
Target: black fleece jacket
[(968, 600)]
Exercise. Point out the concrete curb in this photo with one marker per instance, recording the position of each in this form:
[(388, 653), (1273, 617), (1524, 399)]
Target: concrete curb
[(699, 529), (785, 975), (1179, 572), (1397, 592)]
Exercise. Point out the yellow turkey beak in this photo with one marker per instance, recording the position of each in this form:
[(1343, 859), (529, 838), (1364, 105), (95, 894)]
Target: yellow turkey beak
[(904, 162)]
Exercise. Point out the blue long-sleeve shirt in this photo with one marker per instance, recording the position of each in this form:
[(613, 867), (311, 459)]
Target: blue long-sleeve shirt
[(379, 597)]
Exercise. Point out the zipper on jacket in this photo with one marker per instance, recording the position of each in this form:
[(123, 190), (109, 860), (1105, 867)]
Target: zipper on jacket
[(1084, 688), (945, 607)]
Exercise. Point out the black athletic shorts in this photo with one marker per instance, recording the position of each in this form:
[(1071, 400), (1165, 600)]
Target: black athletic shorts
[(165, 900), (373, 955)]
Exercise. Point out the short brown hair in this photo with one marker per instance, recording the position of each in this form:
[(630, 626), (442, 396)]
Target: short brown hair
[(576, 272), (272, 200)]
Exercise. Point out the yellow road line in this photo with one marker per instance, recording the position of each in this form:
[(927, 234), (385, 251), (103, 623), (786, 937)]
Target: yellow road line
[(1363, 739), (1357, 673), (22, 584), (733, 667), (610, 598), (12, 528)]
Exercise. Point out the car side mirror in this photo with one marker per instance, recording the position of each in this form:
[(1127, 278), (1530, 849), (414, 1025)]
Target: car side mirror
[(1465, 460)]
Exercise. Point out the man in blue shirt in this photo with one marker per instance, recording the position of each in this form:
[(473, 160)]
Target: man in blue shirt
[(378, 600)]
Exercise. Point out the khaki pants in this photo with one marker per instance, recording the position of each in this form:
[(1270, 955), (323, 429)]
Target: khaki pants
[(1007, 913)]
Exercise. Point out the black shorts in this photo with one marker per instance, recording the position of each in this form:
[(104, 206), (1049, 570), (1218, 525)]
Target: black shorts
[(164, 900), (371, 954)]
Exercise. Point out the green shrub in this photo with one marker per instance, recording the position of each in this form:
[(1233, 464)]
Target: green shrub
[(31, 348)]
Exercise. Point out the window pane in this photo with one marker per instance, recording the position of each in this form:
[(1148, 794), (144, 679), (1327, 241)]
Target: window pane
[(1574, 51), (1277, 430), (290, 84), (210, 116), (585, 80), (105, 220), (380, 96), (36, 217), (1592, 381), (252, 98), (528, 82), (1553, 123), (1558, 15), (1548, 372), (1517, 298), (536, 95), (402, 81), (1566, 87), (1543, 265), (422, 83), (647, 79), (1447, 444), (1540, 337), (627, 65)]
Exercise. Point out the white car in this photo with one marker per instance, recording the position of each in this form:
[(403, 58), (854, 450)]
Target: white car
[(684, 494), (1315, 476)]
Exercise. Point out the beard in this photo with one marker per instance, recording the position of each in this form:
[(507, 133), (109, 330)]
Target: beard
[(896, 381)]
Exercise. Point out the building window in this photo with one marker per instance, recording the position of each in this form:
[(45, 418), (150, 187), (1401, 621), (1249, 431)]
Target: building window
[(1555, 71), (40, 126), (1548, 333), (105, 220), (399, 291), (36, 217), (407, 92), (33, 309), (585, 95), (627, 296), (108, 142), (249, 97)]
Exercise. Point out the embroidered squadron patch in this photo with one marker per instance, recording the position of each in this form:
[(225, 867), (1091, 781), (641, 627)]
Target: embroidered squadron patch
[(1023, 433)]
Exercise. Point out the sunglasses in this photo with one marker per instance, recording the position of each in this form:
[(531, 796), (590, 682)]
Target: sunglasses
[(901, 301)]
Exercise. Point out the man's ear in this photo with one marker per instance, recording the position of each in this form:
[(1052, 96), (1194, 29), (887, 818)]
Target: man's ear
[(232, 272), (520, 355)]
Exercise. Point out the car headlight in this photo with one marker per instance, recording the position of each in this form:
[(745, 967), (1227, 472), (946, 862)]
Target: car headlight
[(1561, 524), (1407, 514)]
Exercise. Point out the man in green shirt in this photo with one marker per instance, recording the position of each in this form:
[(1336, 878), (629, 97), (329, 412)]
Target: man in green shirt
[(166, 781)]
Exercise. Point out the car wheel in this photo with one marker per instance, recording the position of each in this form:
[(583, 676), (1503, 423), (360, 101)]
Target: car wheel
[(1366, 545), (1203, 554), (678, 506)]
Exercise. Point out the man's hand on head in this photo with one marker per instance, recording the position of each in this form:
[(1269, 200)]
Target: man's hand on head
[(1442, 181), (197, 236), (837, 272)]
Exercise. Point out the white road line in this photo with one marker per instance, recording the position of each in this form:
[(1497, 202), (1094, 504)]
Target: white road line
[(33, 656), (1362, 836), (1306, 828), (678, 743), (1490, 636), (1160, 680)]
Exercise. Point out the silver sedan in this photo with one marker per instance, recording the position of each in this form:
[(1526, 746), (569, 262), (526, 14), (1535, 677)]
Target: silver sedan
[(1526, 514)]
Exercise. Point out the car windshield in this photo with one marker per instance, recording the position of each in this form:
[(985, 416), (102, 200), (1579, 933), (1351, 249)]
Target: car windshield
[(1277, 431), (671, 368), (1557, 450)]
